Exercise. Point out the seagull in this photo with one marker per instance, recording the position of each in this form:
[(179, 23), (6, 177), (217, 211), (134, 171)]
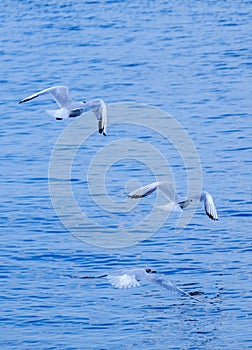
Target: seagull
[(124, 279), (176, 203), (70, 109)]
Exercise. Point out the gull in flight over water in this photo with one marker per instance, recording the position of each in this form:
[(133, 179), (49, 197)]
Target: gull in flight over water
[(176, 203), (124, 279), (70, 109)]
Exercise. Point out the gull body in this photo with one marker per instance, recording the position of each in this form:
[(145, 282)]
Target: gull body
[(175, 202), (71, 109)]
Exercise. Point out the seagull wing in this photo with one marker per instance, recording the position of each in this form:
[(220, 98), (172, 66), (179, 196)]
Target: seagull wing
[(101, 115), (209, 205), (123, 280), (208, 202), (100, 110), (161, 281), (168, 189), (164, 186), (59, 93), (143, 191)]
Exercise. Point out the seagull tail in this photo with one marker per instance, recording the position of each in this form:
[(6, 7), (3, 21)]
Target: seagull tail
[(58, 113)]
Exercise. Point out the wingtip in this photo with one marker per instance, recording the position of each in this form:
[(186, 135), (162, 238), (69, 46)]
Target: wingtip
[(212, 217), (134, 196), (25, 100), (101, 131)]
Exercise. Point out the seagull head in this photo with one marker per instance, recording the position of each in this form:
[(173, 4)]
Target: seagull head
[(184, 203), (150, 271)]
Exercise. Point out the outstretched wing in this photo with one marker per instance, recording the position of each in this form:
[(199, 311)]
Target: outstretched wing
[(160, 280), (101, 115), (208, 202), (143, 191), (100, 110), (166, 187), (123, 281), (209, 206), (59, 93)]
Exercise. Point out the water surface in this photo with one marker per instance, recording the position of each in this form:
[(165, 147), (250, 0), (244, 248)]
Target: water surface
[(194, 62)]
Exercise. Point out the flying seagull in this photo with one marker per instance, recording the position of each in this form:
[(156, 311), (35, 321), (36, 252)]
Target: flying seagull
[(124, 279), (176, 203), (70, 109)]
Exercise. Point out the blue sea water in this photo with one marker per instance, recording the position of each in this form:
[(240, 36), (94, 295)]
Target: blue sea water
[(191, 60)]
